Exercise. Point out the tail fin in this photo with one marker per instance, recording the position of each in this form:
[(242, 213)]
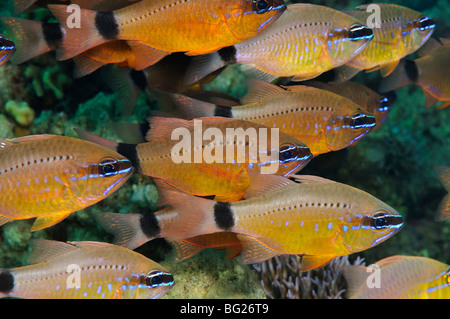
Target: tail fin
[(112, 145), (443, 212), (83, 35), (404, 74), (203, 65), (29, 37), (127, 85), (126, 228), (85, 65), (21, 6), (195, 213), (191, 108), (356, 278)]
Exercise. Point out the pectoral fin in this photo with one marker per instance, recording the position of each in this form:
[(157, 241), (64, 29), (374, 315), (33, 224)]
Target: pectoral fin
[(47, 221), (312, 262), (254, 251), (388, 68)]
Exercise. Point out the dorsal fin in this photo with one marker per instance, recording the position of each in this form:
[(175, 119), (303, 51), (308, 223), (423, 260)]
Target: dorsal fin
[(260, 90), (44, 250)]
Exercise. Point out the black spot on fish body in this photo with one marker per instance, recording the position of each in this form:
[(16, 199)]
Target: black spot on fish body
[(130, 152), (411, 70), (228, 54), (144, 128), (106, 24), (223, 111), (150, 225), (53, 34), (223, 216), (6, 282)]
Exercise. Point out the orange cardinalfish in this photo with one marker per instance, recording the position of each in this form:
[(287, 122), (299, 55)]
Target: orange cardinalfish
[(304, 42), (318, 219), (105, 271), (400, 277), (443, 172), (134, 230), (323, 120), (7, 49), (400, 32), (195, 27), (211, 156), (50, 177), (430, 71), (368, 99)]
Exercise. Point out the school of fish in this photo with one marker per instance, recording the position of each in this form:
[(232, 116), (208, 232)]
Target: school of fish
[(233, 199)]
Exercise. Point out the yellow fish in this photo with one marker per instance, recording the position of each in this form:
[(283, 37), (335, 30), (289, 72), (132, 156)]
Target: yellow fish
[(400, 277), (401, 31), (430, 71), (195, 27), (369, 100), (214, 165), (50, 177), (304, 42), (85, 270), (323, 120), (318, 219)]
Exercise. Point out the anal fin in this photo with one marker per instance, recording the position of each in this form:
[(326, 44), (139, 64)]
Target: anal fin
[(47, 221), (310, 262), (254, 251)]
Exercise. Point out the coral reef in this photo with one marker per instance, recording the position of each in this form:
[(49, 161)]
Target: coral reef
[(281, 278), (208, 275)]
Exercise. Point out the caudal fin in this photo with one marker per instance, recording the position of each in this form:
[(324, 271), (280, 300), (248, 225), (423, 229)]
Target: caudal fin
[(203, 65), (31, 38), (126, 229), (404, 74), (21, 6), (192, 108), (195, 214), (82, 32)]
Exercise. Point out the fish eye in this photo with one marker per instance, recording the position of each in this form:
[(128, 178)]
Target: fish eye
[(360, 120), (425, 23), (260, 6), (378, 221), (289, 153), (108, 167), (360, 32), (157, 279)]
